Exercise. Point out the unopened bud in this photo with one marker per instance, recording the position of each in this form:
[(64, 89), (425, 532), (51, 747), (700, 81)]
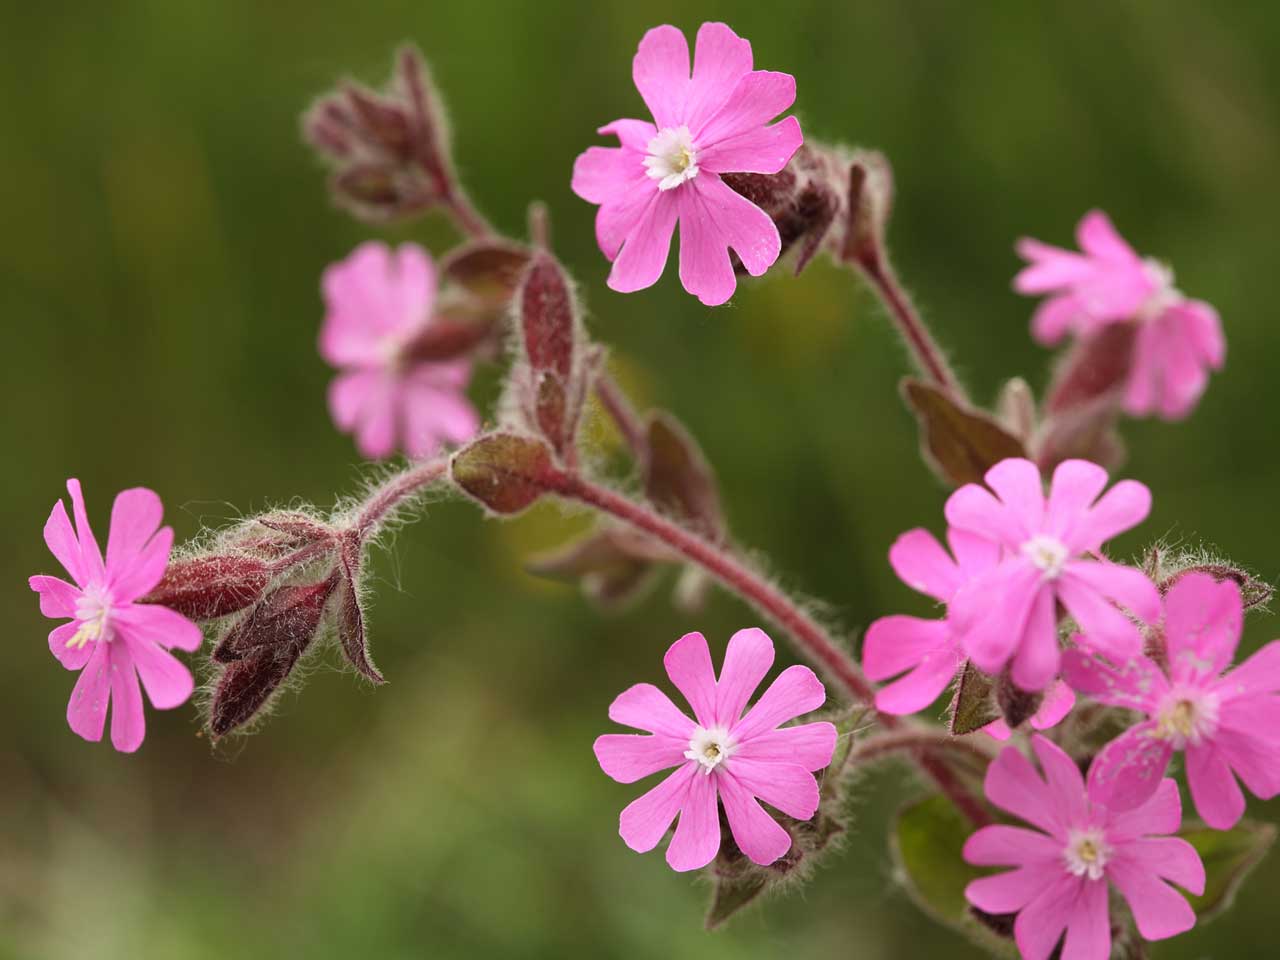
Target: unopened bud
[(286, 617), (209, 587)]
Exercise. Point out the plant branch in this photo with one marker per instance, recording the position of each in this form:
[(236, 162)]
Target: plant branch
[(394, 491), (622, 414)]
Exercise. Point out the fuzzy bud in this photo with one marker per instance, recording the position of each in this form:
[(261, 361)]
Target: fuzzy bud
[(549, 379), (262, 649), (389, 149), (803, 199), (505, 472), (868, 206), (209, 587)]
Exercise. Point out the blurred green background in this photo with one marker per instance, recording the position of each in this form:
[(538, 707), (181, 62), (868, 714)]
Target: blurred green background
[(165, 229)]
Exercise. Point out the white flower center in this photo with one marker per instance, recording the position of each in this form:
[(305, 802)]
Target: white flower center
[(1165, 293), (671, 158), (710, 747), (1087, 853), (1186, 716), (93, 611), (1048, 553)]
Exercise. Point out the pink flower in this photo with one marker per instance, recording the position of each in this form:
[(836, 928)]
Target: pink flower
[(1010, 613), (739, 759), (1228, 724), (112, 640), (1065, 866), (377, 301), (1177, 340), (927, 652), (1058, 701), (705, 125)]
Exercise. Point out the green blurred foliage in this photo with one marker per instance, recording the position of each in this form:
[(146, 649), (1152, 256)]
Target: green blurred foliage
[(158, 276)]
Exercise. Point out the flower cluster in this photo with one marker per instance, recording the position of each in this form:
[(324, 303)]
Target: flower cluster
[(1031, 605)]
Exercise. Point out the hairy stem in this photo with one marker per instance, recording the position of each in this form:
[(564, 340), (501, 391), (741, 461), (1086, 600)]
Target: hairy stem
[(394, 491), (928, 355), (622, 414), (913, 739)]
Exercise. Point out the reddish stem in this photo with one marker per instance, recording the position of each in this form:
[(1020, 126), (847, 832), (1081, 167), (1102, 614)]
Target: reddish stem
[(624, 416), (876, 268), (394, 491)]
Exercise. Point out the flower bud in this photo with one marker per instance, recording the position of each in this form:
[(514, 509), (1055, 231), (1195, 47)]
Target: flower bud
[(209, 587), (389, 150)]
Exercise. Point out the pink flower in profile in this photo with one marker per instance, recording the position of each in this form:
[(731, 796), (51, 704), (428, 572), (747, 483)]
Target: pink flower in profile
[(112, 640), (736, 758), (1010, 613), (927, 652), (1058, 701), (377, 302), (1177, 340), (1227, 723), (705, 124), (1065, 866)]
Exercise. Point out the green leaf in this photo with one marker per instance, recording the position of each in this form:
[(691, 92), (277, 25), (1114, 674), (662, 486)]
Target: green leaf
[(926, 845), (960, 443), (1229, 856), (734, 893), (971, 707)]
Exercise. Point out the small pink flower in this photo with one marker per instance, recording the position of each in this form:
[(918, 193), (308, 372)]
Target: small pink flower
[(726, 755), (1011, 612), (377, 301), (111, 639), (1228, 724), (927, 652), (1058, 701), (707, 124), (1065, 866), (1177, 340)]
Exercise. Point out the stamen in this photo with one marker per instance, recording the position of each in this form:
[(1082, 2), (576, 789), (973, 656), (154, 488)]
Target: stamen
[(1048, 553), (1087, 853), (672, 159), (709, 747)]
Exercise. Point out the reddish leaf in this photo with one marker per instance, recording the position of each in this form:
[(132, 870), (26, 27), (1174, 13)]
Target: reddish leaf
[(505, 472), (677, 477), (351, 633), (960, 444)]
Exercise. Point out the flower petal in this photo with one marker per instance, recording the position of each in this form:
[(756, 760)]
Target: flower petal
[(1089, 925), (1127, 771), (135, 517), (1158, 910), (992, 613), (1217, 796), (720, 59), (921, 686), (1102, 626), (756, 833), (645, 707), (1137, 685), (1248, 736), (757, 98), (167, 681), (1009, 892), (1013, 785), (808, 744), (73, 658), (1004, 846), (1076, 485), (796, 690), (1202, 623), (61, 540), (1016, 481), (87, 710), (661, 74), (1259, 674), (697, 838), (1098, 237), (688, 664), (1040, 923), (128, 720), (1170, 858), (787, 786), (1036, 662), (57, 597), (973, 509), (1066, 784), (644, 821), (90, 556), (1161, 814), (1050, 268), (628, 757), (898, 642), (619, 217), (1055, 706), (736, 222), (143, 623), (1122, 507), (762, 150), (644, 253), (922, 564), (747, 661)]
